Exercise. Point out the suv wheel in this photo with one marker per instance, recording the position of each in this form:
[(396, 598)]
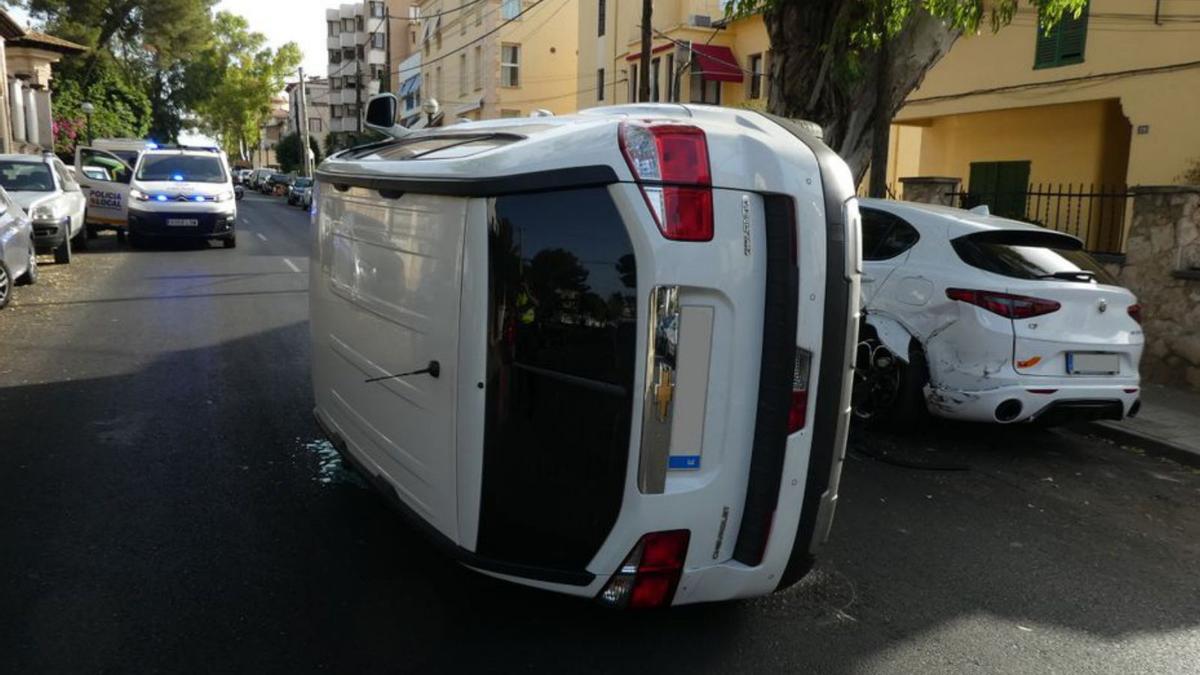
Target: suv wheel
[(62, 252), (5, 285)]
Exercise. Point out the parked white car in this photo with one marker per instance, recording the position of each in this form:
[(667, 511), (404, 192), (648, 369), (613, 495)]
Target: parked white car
[(976, 317), (581, 356), (49, 194)]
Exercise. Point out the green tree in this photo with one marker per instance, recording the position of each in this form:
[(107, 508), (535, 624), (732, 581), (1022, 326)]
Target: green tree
[(289, 155), (848, 65), (239, 75)]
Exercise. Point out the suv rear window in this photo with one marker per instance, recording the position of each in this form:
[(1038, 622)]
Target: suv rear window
[(1030, 254)]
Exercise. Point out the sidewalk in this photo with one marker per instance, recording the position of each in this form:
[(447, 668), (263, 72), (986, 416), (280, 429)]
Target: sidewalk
[(1168, 424)]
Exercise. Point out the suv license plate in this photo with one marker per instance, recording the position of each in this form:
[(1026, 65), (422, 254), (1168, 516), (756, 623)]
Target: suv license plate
[(1093, 364), (182, 222)]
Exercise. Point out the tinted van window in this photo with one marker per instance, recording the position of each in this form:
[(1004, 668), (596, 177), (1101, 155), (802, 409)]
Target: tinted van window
[(561, 341), (1031, 255), (885, 235), (191, 168)]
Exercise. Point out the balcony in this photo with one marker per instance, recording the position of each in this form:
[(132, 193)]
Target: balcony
[(377, 56), (348, 39), (333, 42)]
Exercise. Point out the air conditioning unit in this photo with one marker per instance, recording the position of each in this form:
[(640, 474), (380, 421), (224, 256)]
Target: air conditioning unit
[(700, 20)]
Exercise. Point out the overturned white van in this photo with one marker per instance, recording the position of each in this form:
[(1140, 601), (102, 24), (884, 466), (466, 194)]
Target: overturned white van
[(607, 354)]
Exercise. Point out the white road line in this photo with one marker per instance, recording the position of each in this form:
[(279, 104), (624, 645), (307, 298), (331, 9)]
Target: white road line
[(291, 265), (260, 236)]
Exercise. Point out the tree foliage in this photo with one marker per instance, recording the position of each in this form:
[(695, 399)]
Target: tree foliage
[(850, 64), (240, 75), (288, 152)]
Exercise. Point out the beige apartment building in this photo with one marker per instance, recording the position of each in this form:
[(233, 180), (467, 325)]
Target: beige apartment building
[(697, 55), (485, 59)]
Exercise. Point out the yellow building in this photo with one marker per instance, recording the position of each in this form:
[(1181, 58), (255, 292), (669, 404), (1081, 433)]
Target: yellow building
[(1106, 101), (697, 55), (498, 58)]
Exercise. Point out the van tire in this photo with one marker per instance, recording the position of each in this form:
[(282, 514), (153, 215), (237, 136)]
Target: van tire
[(894, 399), (92, 233), (62, 252), (121, 236)]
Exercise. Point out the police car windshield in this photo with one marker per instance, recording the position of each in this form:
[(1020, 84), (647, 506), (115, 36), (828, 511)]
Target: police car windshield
[(190, 168), (26, 177)]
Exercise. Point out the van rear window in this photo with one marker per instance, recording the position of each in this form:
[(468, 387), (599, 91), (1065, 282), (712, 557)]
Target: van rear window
[(1032, 254)]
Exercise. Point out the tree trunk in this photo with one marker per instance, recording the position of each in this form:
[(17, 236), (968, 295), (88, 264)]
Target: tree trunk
[(810, 80), (881, 126), (643, 93)]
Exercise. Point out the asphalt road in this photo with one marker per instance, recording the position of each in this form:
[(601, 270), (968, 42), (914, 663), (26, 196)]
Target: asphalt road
[(166, 505)]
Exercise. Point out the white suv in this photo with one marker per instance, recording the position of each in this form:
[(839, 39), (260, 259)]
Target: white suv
[(182, 193), (987, 319)]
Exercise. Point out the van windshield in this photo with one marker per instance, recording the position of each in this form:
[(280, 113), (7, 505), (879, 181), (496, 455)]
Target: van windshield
[(1031, 255), (191, 168), (26, 177)]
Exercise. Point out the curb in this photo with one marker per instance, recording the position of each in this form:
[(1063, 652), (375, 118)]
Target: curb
[(1153, 446)]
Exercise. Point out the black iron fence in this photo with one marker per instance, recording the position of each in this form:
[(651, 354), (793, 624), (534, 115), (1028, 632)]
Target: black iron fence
[(1095, 214)]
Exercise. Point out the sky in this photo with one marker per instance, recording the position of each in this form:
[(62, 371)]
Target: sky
[(300, 21)]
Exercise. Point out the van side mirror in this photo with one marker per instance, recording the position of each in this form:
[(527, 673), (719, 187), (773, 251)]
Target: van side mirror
[(381, 115)]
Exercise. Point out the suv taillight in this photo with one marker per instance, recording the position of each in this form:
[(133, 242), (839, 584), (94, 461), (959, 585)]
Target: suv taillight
[(670, 163), (1004, 304), (650, 573)]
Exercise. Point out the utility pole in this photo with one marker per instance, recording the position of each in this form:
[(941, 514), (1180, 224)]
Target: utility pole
[(647, 38), (306, 149), (358, 51)]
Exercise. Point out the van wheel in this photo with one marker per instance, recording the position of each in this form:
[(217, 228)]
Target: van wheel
[(62, 252), (888, 393), (121, 236), (81, 239), (92, 233)]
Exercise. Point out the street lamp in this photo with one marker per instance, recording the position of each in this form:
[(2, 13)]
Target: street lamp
[(88, 109)]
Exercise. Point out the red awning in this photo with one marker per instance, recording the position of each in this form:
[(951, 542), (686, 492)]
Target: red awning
[(716, 63)]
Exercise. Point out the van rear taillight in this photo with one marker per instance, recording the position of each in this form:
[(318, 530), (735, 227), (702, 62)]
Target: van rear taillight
[(650, 573), (670, 163), (798, 408), (1135, 312), (1004, 304)]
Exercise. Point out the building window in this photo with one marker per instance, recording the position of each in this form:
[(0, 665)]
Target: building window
[(479, 14), (756, 75), (600, 19), (359, 51), (378, 41), (316, 125), (358, 23), (1064, 44), (335, 56), (478, 67), (510, 9), (654, 65), (348, 25), (462, 18), (440, 84), (462, 74), (510, 65), (705, 91), (377, 10), (334, 28), (633, 89), (348, 54), (600, 84)]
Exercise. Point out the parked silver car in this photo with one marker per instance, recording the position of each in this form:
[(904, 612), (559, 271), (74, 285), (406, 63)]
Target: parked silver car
[(18, 263), (52, 197)]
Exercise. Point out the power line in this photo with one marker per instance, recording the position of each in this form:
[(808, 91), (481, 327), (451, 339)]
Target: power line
[(1064, 81), (493, 31)]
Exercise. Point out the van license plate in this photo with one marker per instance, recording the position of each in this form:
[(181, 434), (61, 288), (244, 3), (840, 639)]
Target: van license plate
[(182, 222), (1093, 364)]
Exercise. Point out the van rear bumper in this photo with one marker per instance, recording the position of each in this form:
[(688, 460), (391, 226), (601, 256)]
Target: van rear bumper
[(440, 541)]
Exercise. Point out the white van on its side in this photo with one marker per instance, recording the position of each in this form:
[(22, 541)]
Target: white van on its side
[(606, 354)]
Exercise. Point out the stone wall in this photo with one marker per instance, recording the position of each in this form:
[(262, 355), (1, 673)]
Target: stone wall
[(1162, 266)]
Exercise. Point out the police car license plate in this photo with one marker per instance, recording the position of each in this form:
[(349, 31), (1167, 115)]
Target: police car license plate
[(182, 222)]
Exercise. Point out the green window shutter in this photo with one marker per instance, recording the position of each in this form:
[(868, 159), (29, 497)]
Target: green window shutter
[(1065, 42)]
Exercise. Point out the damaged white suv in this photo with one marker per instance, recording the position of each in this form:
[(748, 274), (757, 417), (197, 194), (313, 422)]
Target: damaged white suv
[(982, 318)]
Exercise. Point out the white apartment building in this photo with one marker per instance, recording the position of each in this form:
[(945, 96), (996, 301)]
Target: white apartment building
[(357, 41)]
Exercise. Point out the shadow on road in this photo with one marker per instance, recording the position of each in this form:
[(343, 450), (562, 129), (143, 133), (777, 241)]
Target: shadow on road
[(172, 519)]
